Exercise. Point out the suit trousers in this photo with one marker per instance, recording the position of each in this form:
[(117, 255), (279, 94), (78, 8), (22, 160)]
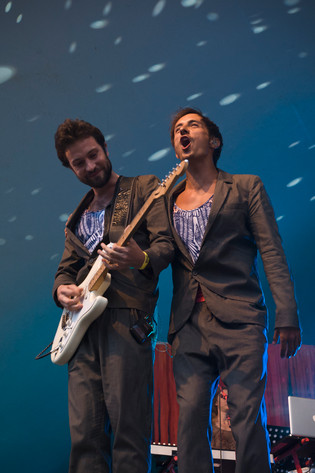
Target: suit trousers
[(110, 391), (204, 351)]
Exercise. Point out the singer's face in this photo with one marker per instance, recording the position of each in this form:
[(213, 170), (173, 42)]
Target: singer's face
[(89, 162), (191, 137)]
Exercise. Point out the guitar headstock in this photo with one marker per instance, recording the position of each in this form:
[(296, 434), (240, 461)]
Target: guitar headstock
[(168, 182)]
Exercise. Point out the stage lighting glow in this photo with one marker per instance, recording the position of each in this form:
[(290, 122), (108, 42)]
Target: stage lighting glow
[(36, 191), (213, 16), (33, 119), (290, 3), (259, 29), (72, 47), (141, 78), (8, 7), (63, 217), (194, 96), (292, 11), (295, 182), (103, 88), (159, 155), (229, 99), (156, 67), (263, 85), (295, 143), (99, 24), (159, 7), (6, 73), (107, 9)]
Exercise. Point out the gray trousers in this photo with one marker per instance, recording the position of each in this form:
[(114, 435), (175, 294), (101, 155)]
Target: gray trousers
[(110, 392), (205, 350)]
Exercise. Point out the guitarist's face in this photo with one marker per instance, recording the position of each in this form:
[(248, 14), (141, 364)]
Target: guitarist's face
[(89, 162)]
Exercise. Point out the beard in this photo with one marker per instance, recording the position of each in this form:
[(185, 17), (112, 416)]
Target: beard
[(101, 178)]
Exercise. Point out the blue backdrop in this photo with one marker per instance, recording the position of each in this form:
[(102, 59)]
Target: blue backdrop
[(127, 66)]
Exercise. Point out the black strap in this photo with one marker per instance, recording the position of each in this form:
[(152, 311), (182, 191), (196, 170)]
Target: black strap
[(42, 354), (121, 208)]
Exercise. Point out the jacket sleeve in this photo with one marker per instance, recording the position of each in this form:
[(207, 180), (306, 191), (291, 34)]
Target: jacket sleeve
[(68, 269), (159, 245), (265, 231)]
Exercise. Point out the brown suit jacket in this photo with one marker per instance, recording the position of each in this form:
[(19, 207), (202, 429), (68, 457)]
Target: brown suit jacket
[(241, 222), (129, 288)]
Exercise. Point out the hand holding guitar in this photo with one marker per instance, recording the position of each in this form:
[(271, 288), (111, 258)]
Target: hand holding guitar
[(69, 296), (117, 257)]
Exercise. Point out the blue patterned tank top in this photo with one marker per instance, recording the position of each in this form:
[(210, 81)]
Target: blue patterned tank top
[(191, 224), (90, 228)]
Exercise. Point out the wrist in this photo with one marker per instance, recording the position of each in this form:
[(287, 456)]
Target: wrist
[(145, 262)]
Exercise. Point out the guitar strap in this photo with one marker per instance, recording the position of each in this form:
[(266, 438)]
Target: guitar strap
[(121, 208)]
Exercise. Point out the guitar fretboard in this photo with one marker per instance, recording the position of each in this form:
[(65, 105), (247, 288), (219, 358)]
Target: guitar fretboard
[(129, 231)]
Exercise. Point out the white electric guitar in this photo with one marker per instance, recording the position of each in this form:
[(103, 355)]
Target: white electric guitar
[(73, 325)]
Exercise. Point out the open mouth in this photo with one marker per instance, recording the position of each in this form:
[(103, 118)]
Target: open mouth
[(185, 142)]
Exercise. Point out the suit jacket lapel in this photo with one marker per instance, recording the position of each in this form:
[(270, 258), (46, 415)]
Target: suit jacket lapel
[(221, 192), (182, 247)]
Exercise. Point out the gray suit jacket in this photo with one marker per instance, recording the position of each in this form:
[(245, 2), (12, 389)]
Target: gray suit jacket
[(129, 288), (241, 222)]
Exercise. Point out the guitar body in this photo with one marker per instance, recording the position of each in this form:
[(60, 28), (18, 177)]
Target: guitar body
[(73, 325)]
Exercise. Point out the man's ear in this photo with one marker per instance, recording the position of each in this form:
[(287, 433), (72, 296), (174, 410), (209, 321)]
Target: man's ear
[(214, 143)]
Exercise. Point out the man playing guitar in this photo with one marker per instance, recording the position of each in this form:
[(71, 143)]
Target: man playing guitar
[(110, 373)]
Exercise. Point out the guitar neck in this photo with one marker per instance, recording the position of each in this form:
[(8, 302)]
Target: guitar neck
[(136, 222), (162, 189), (129, 231)]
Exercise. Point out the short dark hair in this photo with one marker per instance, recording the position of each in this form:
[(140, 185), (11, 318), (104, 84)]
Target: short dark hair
[(71, 131), (212, 128)]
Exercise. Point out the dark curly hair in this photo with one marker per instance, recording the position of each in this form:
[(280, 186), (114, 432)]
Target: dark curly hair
[(71, 131), (212, 128)]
